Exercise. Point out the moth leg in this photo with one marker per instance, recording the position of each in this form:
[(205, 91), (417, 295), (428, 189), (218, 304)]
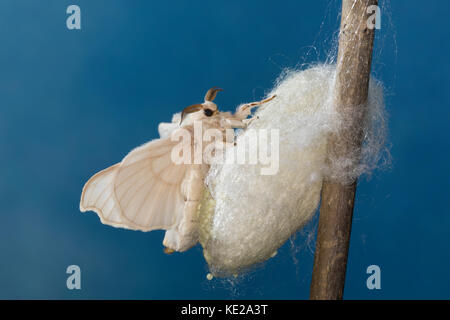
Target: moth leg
[(237, 123), (250, 120), (246, 109), (233, 123)]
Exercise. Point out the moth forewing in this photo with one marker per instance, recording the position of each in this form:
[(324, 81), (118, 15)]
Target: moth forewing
[(98, 196), (139, 193)]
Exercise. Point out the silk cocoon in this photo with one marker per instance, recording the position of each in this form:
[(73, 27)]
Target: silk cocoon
[(246, 216)]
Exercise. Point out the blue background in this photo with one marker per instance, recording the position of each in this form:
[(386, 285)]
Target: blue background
[(75, 102)]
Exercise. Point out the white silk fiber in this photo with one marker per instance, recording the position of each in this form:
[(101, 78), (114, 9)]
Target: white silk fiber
[(246, 216)]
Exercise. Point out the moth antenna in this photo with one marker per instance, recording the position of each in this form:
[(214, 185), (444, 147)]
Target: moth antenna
[(211, 94), (190, 109)]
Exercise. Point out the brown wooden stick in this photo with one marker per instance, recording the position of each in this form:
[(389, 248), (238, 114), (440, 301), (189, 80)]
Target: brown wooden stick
[(351, 89)]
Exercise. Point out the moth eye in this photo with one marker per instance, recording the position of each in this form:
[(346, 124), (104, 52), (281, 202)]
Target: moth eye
[(208, 112)]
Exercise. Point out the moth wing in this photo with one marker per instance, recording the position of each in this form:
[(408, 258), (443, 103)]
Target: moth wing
[(165, 129), (143, 192), (98, 196), (148, 186)]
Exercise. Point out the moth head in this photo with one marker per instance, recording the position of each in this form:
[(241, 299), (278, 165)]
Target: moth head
[(207, 108)]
